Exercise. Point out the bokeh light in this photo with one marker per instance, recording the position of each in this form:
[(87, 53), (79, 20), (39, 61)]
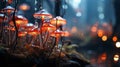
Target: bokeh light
[(10, 1), (104, 38), (103, 56), (94, 29), (100, 33), (116, 58), (24, 7), (74, 29), (117, 44), (114, 38)]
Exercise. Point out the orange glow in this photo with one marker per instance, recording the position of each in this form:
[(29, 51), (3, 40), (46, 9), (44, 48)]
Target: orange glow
[(104, 38), (33, 32), (94, 29), (74, 29), (48, 27), (117, 44), (116, 58), (24, 7), (10, 1), (105, 24), (8, 9), (42, 14), (42, 17), (65, 33), (11, 28), (100, 33), (28, 27), (58, 21), (22, 34), (20, 21), (57, 33), (108, 28), (103, 56), (114, 38), (62, 54)]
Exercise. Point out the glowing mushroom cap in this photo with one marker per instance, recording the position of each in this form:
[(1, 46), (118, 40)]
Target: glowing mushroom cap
[(28, 26), (58, 21), (65, 34), (48, 27), (42, 14), (20, 21), (11, 28), (8, 9), (57, 33), (22, 34), (33, 32)]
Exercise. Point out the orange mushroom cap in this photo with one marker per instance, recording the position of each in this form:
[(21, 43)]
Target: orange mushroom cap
[(58, 21), (48, 27), (21, 34), (8, 9), (57, 33), (33, 32), (42, 14), (20, 21)]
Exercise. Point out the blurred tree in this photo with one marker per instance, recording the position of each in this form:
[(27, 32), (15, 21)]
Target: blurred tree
[(117, 13)]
